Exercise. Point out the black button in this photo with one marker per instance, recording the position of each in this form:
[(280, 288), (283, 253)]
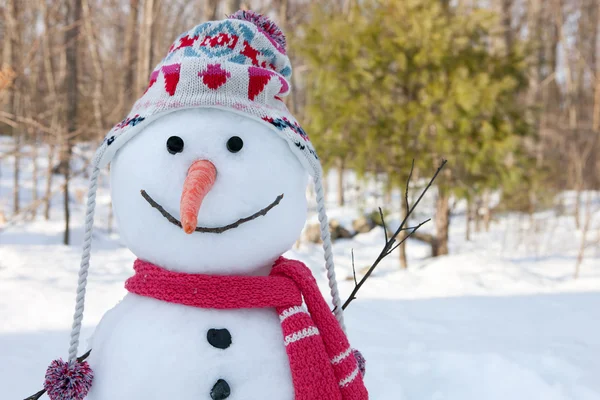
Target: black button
[(175, 145), (235, 144), (220, 391), (219, 338)]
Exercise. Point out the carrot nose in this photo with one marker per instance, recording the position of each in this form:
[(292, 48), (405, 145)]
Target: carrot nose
[(198, 182)]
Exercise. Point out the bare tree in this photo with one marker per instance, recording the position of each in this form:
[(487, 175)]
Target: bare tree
[(231, 6), (439, 246), (11, 63), (145, 45), (584, 233), (210, 9), (98, 77), (126, 95), (52, 101), (73, 21)]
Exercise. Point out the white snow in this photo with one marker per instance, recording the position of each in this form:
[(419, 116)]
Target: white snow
[(500, 318)]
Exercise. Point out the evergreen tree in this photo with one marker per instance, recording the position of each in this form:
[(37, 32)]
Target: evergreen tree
[(398, 80)]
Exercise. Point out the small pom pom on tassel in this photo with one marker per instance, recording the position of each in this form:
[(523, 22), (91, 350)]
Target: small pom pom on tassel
[(66, 381), (263, 23), (361, 361)]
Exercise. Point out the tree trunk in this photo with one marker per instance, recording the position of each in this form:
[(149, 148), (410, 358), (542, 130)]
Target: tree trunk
[(17, 170), (210, 9), (468, 218), (596, 118), (94, 52), (145, 45), (54, 122), (33, 136), (586, 228), (73, 15), (156, 30), (10, 59), (596, 68), (507, 24), (487, 212), (340, 183), (49, 174), (66, 173), (439, 247), (127, 93), (476, 214), (35, 173), (231, 6), (281, 7), (402, 235), (577, 211)]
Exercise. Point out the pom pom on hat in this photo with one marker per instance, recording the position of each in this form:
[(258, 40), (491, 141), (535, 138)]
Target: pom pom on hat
[(66, 381), (264, 23)]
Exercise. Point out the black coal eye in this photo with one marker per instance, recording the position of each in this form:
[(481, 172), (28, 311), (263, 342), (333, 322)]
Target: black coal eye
[(235, 144), (174, 144)]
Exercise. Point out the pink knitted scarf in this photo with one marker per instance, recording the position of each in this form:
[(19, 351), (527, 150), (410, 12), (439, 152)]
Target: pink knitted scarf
[(322, 363)]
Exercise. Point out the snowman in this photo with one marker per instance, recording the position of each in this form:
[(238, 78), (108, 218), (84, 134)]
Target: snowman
[(208, 181)]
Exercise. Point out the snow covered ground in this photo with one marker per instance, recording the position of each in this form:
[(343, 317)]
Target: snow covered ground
[(500, 318)]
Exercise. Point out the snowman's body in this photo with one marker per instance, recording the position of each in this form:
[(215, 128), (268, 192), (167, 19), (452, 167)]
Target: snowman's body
[(149, 349)]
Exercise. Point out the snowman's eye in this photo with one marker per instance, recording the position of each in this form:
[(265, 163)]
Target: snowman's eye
[(174, 144), (235, 144)]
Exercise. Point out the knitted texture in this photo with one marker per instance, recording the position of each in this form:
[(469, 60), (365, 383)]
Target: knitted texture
[(322, 362), (238, 64), (211, 291)]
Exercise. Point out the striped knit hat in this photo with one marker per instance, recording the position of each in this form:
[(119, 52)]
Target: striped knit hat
[(238, 64)]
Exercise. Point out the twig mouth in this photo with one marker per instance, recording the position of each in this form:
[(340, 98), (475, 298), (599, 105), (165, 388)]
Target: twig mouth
[(221, 229)]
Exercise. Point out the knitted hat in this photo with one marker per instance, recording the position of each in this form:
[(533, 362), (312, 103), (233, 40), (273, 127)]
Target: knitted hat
[(238, 64)]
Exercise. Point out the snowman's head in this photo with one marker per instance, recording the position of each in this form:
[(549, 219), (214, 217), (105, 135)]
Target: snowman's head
[(208, 191)]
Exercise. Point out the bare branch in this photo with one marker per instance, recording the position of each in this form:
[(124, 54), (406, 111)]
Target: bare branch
[(414, 229), (383, 223), (353, 268), (389, 245), (412, 167)]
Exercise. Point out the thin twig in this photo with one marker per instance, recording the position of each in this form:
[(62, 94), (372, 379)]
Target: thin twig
[(353, 268), (389, 244), (414, 229), (409, 228), (37, 395), (383, 223), (417, 202), (412, 167)]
